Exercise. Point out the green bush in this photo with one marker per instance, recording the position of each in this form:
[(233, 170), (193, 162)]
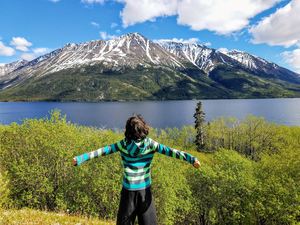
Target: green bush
[(251, 137), (37, 156), (173, 197), (36, 171), (223, 190), (4, 190), (278, 188)]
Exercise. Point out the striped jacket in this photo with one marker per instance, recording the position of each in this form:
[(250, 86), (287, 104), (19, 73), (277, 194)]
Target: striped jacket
[(136, 159)]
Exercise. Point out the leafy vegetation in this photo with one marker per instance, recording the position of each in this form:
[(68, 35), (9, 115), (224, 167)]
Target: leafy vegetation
[(94, 83), (250, 172), (244, 84), (199, 116)]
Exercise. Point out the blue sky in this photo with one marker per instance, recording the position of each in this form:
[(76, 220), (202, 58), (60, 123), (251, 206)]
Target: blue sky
[(266, 28)]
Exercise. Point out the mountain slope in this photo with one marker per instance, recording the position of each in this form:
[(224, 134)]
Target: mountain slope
[(8, 68), (126, 51), (207, 59), (132, 67)]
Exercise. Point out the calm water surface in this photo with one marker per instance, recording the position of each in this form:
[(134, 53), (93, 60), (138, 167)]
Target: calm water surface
[(160, 114)]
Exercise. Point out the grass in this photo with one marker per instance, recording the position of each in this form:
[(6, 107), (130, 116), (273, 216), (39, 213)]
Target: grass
[(35, 217)]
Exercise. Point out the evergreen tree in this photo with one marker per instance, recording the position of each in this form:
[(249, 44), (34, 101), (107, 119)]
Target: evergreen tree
[(199, 126)]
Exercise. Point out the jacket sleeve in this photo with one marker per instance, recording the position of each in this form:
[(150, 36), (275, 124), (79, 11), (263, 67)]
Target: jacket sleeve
[(106, 150), (171, 152)]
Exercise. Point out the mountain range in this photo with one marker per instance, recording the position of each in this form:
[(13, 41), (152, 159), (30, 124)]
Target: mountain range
[(132, 67)]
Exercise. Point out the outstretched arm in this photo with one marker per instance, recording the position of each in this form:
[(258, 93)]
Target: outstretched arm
[(109, 149), (171, 152)]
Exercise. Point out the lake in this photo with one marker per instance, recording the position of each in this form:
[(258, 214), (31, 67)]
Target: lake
[(159, 114)]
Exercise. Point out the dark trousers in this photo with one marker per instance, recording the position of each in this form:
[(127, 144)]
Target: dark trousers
[(138, 204)]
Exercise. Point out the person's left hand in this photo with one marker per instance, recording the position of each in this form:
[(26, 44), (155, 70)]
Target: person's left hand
[(74, 161), (197, 164)]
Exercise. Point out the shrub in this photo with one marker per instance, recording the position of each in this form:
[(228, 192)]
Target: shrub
[(223, 190), (36, 172), (278, 188)]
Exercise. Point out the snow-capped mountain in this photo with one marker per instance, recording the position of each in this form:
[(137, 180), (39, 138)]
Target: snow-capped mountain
[(9, 67), (201, 56), (130, 50), (261, 66), (250, 61), (208, 59), (163, 63)]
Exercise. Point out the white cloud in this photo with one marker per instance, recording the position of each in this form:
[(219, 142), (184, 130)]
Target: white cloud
[(36, 52), (105, 36), (118, 31), (95, 24), (280, 28), (223, 50), (207, 43), (54, 1), (292, 58), (28, 56), (20, 43), (113, 25), (40, 51), (222, 17), (93, 1), (189, 41), (6, 50), (181, 40), (143, 10)]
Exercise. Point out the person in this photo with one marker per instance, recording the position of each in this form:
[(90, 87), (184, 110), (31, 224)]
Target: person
[(137, 151)]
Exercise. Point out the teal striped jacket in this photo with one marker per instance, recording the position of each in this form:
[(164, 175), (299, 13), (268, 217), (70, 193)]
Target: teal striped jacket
[(136, 159)]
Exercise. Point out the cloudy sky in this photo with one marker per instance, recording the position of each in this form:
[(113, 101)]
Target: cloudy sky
[(266, 28)]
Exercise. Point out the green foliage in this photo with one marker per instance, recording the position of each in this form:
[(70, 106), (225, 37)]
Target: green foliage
[(235, 190), (243, 84), (36, 171), (99, 83), (278, 188), (223, 190), (37, 156), (173, 197), (199, 116), (4, 190), (251, 137)]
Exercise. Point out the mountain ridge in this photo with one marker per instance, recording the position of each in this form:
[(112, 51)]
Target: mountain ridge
[(187, 69)]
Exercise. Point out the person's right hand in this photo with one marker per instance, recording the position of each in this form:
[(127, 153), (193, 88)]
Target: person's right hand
[(197, 164), (74, 161)]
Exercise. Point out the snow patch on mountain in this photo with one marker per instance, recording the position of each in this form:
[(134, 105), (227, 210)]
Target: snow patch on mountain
[(133, 50), (9, 67)]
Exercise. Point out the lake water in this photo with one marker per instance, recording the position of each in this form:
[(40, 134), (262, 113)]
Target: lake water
[(159, 114)]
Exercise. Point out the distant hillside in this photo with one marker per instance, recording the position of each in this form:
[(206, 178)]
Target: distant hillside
[(132, 67)]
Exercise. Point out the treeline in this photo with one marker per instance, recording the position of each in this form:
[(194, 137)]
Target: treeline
[(250, 172)]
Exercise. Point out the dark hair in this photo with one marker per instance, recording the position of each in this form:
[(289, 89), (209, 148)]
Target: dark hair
[(136, 128)]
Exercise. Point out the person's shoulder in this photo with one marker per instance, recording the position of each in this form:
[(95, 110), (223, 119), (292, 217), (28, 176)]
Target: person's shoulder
[(152, 142), (149, 140), (122, 143)]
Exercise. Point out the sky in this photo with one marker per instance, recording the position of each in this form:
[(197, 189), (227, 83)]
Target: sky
[(266, 28)]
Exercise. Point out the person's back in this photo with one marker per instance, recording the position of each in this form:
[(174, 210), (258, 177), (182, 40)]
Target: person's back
[(137, 151)]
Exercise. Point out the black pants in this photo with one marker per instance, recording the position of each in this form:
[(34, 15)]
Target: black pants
[(138, 204)]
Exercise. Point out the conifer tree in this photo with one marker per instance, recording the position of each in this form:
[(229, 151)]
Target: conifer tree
[(199, 126)]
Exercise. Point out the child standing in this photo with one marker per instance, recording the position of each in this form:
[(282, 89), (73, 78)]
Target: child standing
[(137, 151)]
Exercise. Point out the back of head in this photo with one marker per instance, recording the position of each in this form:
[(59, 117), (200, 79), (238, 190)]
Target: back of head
[(136, 128)]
